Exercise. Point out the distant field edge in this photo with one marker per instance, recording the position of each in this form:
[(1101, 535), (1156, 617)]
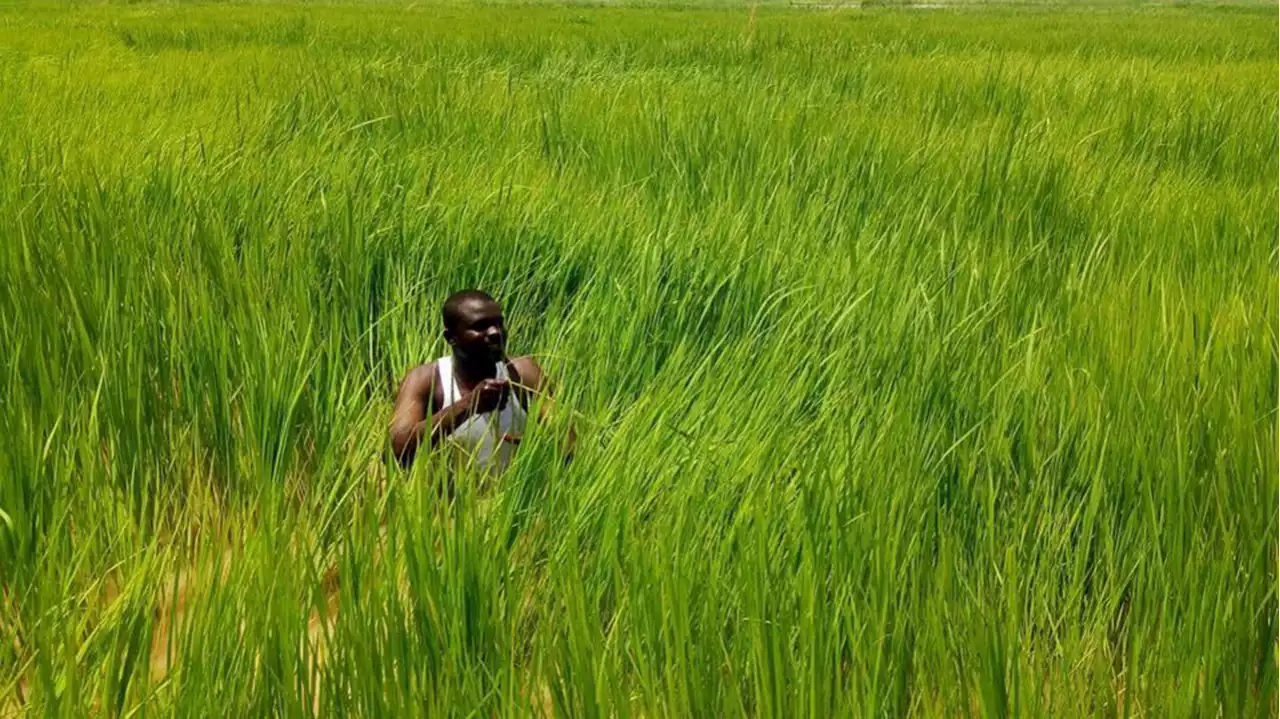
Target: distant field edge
[(917, 5)]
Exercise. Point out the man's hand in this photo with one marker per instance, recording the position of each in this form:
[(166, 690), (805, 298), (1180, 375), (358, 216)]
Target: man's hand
[(489, 395)]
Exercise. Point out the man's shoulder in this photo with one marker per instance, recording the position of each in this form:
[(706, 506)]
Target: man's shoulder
[(422, 377), (421, 385), (423, 371), (525, 362), (528, 370)]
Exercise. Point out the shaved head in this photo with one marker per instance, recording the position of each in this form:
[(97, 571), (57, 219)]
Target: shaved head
[(452, 311), (473, 327)]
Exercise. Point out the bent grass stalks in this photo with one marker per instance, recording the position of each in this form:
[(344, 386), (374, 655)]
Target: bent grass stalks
[(921, 363)]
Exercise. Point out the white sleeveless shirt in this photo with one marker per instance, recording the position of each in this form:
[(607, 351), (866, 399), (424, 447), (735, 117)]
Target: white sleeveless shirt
[(485, 439)]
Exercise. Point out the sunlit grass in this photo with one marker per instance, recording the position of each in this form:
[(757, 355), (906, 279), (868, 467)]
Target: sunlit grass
[(921, 363)]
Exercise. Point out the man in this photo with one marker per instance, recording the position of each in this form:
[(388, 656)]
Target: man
[(476, 398)]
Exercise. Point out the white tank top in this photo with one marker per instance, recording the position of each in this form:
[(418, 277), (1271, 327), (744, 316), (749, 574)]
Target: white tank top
[(484, 439)]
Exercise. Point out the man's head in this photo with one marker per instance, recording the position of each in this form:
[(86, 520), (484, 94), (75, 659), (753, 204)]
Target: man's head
[(473, 327)]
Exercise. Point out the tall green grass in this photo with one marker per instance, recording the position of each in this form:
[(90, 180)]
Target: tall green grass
[(921, 363)]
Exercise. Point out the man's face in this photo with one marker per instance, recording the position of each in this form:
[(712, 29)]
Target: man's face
[(479, 333)]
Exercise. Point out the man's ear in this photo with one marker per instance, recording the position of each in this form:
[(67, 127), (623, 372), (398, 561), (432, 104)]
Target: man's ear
[(448, 337)]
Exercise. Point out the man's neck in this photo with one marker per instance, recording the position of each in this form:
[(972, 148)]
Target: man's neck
[(472, 372)]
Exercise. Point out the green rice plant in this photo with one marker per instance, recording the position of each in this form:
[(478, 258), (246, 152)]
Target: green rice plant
[(921, 362)]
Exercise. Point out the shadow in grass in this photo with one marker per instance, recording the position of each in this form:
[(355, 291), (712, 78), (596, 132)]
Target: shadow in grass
[(150, 39)]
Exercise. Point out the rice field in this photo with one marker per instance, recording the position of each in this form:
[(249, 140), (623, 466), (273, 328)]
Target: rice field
[(922, 362)]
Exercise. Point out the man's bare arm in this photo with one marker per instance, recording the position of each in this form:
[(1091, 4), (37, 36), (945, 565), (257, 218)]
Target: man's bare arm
[(418, 413), (530, 382), (414, 403)]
